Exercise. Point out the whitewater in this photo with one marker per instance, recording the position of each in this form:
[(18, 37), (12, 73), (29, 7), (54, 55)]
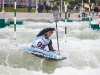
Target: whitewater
[(81, 45)]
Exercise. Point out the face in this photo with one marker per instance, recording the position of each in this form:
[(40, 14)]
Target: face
[(49, 33)]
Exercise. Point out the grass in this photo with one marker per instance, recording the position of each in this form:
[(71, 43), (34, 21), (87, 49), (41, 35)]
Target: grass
[(11, 9)]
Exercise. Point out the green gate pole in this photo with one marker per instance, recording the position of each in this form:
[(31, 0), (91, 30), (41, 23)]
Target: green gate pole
[(65, 33), (65, 10), (15, 21), (89, 15), (65, 30), (65, 17)]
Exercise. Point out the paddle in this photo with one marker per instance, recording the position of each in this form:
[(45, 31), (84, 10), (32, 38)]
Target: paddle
[(55, 15), (57, 36)]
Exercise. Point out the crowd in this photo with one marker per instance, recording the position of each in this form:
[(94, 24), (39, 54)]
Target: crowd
[(93, 8), (47, 6)]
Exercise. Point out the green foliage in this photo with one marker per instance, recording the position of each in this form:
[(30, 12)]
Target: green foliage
[(11, 9)]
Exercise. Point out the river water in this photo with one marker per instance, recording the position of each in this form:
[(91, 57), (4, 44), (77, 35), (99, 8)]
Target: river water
[(81, 45)]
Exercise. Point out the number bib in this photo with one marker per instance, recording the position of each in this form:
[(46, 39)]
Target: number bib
[(41, 42)]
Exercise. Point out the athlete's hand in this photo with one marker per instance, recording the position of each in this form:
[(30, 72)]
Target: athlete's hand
[(58, 52), (56, 29)]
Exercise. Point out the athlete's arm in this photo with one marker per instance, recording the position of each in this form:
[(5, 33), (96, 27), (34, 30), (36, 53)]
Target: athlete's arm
[(50, 46)]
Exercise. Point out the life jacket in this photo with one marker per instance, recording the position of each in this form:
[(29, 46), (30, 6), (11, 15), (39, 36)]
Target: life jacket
[(40, 42)]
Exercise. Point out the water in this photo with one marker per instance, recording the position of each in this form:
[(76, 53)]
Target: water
[(81, 45)]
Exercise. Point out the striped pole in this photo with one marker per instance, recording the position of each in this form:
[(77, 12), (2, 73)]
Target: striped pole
[(65, 30), (36, 6), (82, 5), (65, 10), (15, 21), (89, 15), (61, 8), (3, 6), (65, 17), (65, 33)]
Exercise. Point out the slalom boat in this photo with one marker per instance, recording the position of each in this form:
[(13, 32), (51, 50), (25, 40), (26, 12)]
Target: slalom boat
[(44, 54)]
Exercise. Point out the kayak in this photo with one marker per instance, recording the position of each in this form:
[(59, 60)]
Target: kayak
[(44, 54)]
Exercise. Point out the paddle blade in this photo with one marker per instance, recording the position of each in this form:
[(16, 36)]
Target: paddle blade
[(55, 12)]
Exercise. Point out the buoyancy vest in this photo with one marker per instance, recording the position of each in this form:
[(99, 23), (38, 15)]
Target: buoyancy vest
[(40, 42)]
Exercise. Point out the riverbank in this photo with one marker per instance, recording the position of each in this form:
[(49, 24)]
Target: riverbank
[(38, 16)]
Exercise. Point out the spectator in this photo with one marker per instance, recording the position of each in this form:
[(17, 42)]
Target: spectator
[(77, 8), (40, 7), (83, 12), (69, 8), (96, 9), (92, 8), (47, 7), (29, 8)]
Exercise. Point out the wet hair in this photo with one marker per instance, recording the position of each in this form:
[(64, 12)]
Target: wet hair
[(43, 31)]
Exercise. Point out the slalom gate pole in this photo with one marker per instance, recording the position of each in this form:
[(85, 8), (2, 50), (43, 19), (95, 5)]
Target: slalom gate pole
[(89, 15), (65, 17), (65, 10), (82, 10), (15, 21), (65, 33)]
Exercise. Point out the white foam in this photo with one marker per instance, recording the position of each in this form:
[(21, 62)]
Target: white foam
[(82, 48)]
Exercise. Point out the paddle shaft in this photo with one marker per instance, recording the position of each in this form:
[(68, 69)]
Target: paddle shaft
[(57, 36), (55, 14)]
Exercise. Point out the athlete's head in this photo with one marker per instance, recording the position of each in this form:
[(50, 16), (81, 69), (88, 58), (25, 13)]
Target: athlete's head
[(46, 31), (49, 33)]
